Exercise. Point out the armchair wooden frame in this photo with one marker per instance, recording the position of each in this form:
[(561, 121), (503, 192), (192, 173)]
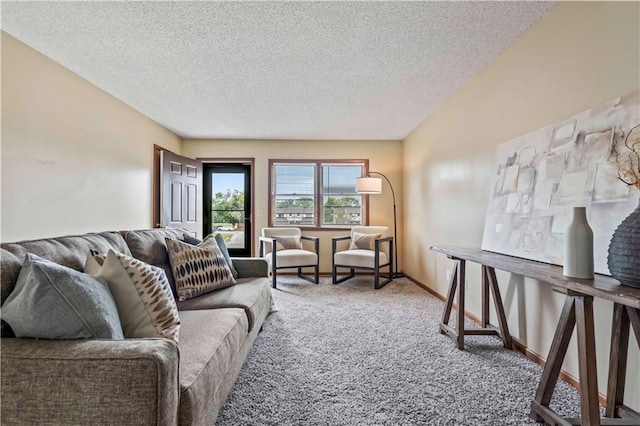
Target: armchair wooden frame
[(274, 259), (375, 269)]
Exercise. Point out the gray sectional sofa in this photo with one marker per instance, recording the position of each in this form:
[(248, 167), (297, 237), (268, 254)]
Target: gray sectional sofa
[(131, 381)]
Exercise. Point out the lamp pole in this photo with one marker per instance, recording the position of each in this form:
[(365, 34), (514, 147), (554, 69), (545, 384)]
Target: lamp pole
[(396, 274)]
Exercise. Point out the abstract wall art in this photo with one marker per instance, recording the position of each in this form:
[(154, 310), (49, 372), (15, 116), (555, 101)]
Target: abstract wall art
[(542, 175)]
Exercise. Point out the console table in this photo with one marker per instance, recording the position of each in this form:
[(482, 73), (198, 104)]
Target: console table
[(576, 313)]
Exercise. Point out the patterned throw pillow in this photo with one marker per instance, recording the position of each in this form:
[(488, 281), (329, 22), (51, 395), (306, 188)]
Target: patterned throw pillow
[(363, 241), (198, 269), (221, 245), (288, 242), (142, 293)]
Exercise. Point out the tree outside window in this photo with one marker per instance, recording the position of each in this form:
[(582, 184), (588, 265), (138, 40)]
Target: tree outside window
[(227, 209)]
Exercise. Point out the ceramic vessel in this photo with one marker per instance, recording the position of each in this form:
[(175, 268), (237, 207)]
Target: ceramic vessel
[(578, 253), (624, 251)]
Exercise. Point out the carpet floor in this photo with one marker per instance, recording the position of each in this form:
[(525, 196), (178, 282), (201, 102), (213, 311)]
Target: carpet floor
[(347, 354)]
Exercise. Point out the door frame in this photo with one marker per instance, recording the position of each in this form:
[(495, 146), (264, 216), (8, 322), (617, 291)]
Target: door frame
[(250, 161), (155, 194)]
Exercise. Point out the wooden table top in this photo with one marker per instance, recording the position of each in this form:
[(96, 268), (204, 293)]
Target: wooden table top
[(602, 286)]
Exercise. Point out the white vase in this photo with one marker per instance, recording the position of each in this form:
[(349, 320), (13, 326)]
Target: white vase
[(578, 247)]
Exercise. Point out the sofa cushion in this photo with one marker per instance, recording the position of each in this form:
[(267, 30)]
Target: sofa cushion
[(253, 295), (142, 294), (198, 269), (51, 301), (149, 246), (210, 345), (68, 251)]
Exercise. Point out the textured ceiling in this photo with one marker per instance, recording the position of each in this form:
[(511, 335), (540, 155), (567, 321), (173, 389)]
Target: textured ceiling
[(275, 70)]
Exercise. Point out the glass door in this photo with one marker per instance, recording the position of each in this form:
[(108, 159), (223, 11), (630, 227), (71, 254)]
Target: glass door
[(227, 203)]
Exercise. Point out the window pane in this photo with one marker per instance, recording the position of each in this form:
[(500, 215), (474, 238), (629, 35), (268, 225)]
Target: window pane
[(343, 210), (227, 207), (340, 179), (294, 211), (295, 179), (341, 205)]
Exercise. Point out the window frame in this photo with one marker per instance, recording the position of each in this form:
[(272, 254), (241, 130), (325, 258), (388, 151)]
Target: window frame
[(318, 195)]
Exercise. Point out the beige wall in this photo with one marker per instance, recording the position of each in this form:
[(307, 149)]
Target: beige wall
[(578, 56), (74, 159), (384, 157)]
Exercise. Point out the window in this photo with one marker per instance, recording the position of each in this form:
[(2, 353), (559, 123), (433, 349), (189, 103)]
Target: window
[(316, 194)]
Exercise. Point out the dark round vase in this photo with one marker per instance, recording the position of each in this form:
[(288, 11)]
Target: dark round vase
[(624, 251)]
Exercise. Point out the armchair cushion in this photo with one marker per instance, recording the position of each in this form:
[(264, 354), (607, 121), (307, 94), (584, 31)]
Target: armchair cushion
[(359, 258), (363, 241), (293, 258)]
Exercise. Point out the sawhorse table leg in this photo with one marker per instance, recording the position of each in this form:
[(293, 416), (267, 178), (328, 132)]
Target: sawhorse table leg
[(623, 317), (489, 285), (577, 312)]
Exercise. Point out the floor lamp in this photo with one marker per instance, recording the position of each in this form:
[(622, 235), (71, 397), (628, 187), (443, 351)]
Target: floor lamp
[(373, 185)]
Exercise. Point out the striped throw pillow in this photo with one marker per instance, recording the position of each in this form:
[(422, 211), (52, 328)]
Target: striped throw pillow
[(142, 294)]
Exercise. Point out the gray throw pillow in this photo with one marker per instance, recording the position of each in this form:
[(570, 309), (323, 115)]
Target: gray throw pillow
[(191, 240), (51, 301), (225, 252)]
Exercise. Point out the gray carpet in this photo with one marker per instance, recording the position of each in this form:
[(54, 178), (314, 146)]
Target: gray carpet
[(347, 354)]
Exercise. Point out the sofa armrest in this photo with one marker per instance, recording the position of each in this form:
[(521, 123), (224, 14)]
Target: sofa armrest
[(80, 382), (250, 267)]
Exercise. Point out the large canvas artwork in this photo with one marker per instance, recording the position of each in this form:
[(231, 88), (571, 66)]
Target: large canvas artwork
[(541, 176)]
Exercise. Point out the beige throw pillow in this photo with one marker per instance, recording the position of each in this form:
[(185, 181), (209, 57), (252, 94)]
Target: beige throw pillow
[(363, 241), (198, 269), (288, 242), (142, 294)]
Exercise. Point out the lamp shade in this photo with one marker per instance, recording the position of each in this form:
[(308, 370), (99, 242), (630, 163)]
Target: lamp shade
[(369, 185)]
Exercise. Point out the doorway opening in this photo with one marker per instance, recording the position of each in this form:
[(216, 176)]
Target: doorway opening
[(228, 204)]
